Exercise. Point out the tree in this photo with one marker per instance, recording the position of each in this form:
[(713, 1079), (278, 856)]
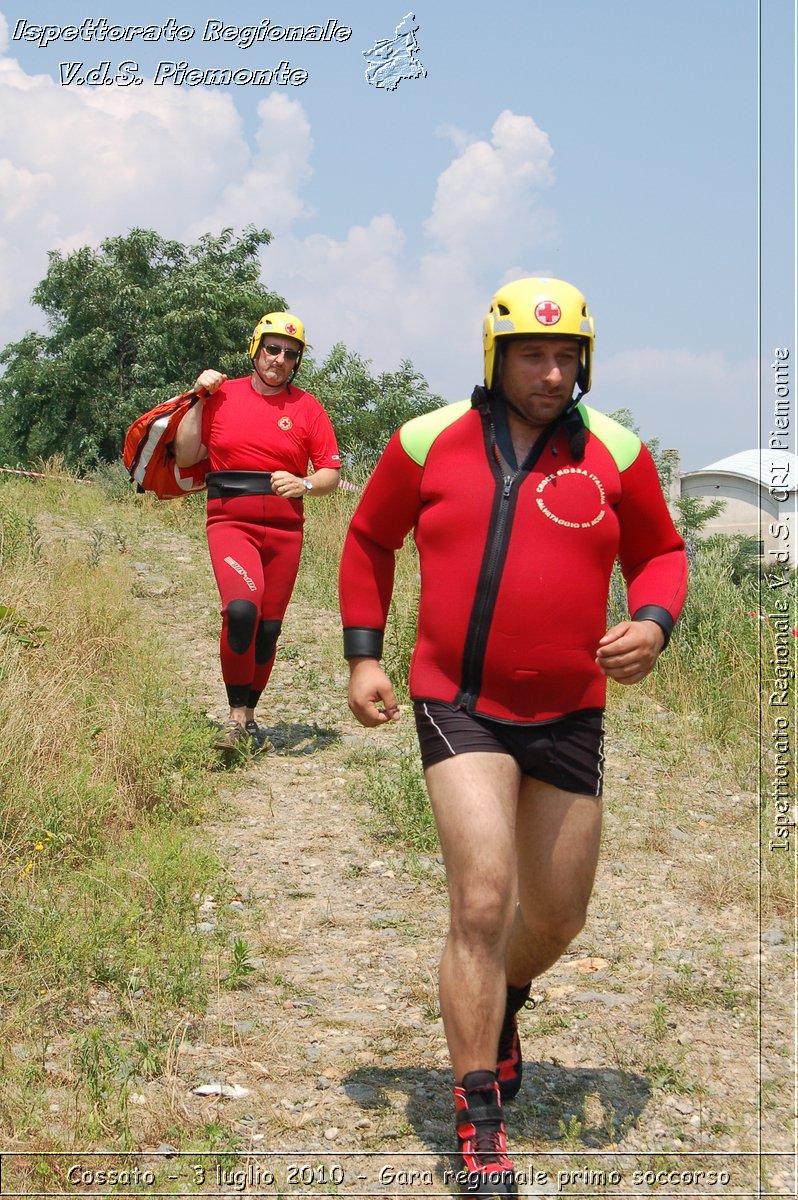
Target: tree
[(662, 459), (129, 325), (365, 410), (695, 513)]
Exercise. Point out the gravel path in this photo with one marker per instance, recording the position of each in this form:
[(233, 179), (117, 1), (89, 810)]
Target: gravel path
[(645, 1049)]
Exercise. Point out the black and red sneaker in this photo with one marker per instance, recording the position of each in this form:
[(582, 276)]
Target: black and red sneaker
[(481, 1137), (509, 1063)]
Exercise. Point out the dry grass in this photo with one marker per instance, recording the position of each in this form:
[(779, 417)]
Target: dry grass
[(102, 769)]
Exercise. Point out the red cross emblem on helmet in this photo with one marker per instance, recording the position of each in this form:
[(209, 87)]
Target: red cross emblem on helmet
[(547, 312), (290, 329)]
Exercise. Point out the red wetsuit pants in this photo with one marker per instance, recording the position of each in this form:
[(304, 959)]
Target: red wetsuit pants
[(255, 543)]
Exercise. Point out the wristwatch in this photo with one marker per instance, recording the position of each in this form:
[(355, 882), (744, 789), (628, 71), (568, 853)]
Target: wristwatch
[(307, 485)]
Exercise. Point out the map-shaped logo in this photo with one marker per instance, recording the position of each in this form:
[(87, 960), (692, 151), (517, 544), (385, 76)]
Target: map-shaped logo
[(390, 60)]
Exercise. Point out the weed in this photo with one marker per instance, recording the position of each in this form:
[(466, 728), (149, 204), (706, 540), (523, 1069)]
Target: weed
[(570, 1129), (694, 990), (21, 630), (96, 544), (149, 1063), (424, 992), (659, 1023), (34, 540), (614, 1130), (400, 796), (120, 538), (666, 1072), (287, 987), (291, 653), (99, 1068), (241, 968), (550, 1022), (114, 481), (224, 1142)]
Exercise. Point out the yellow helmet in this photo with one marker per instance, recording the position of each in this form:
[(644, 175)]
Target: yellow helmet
[(278, 322), (539, 306)]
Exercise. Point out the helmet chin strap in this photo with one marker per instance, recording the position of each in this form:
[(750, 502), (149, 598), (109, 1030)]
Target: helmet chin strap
[(269, 385), (569, 421), (497, 390)]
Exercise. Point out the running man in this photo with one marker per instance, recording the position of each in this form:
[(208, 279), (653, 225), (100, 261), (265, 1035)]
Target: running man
[(519, 500)]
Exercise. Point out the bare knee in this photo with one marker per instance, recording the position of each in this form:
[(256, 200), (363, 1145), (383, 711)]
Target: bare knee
[(483, 913), (559, 926)]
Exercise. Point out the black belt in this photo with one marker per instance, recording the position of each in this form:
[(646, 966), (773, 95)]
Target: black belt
[(224, 484)]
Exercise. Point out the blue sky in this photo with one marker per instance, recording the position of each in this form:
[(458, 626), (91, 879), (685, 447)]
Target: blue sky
[(612, 144)]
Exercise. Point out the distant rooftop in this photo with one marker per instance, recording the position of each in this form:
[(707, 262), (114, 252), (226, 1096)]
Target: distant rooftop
[(756, 465)]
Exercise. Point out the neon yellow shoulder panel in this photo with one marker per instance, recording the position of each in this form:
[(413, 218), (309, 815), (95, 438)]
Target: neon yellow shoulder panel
[(418, 434), (623, 445)]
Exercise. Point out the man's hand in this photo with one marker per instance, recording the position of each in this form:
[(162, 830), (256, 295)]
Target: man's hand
[(368, 687), (287, 485), (209, 381), (628, 651)]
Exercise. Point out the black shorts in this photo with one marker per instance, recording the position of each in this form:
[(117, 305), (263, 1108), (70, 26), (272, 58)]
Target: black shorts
[(567, 753)]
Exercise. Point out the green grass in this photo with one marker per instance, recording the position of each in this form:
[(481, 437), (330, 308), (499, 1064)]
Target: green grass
[(104, 775), (393, 786)]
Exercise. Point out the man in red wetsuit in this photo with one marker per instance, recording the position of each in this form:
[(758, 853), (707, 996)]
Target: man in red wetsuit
[(520, 500), (259, 432)]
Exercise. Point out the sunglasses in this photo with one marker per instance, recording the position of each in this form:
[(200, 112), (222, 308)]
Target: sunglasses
[(276, 351)]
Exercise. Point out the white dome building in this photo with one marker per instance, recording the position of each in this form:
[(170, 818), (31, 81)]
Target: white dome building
[(759, 490)]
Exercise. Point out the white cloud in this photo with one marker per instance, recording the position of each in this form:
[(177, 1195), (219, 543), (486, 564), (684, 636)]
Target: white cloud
[(85, 163), (138, 164), (80, 164), (459, 138), (490, 190), (267, 191), (366, 290)]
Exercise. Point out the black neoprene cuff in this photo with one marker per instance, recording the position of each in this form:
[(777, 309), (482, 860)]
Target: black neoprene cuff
[(361, 642), (660, 616)]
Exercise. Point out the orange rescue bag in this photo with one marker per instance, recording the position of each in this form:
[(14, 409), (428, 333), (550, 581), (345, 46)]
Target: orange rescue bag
[(149, 455)]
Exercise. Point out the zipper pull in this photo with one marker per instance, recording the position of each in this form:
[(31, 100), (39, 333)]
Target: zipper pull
[(508, 483)]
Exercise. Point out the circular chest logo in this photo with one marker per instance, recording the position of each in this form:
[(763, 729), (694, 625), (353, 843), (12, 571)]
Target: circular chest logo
[(285, 423), (572, 497), (547, 312)]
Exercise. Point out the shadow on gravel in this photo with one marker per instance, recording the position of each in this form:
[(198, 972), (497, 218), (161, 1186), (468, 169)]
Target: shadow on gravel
[(292, 740), (576, 1107), (589, 1106), (286, 740)]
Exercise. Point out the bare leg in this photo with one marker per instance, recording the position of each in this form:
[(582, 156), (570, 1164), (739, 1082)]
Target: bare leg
[(474, 799), (557, 842)]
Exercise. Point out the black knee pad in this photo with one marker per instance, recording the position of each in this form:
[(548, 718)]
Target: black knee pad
[(241, 616), (266, 640)]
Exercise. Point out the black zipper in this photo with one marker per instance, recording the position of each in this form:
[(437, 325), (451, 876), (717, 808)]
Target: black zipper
[(490, 572)]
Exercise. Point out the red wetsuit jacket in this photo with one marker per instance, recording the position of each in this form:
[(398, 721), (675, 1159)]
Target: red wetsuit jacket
[(515, 565)]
